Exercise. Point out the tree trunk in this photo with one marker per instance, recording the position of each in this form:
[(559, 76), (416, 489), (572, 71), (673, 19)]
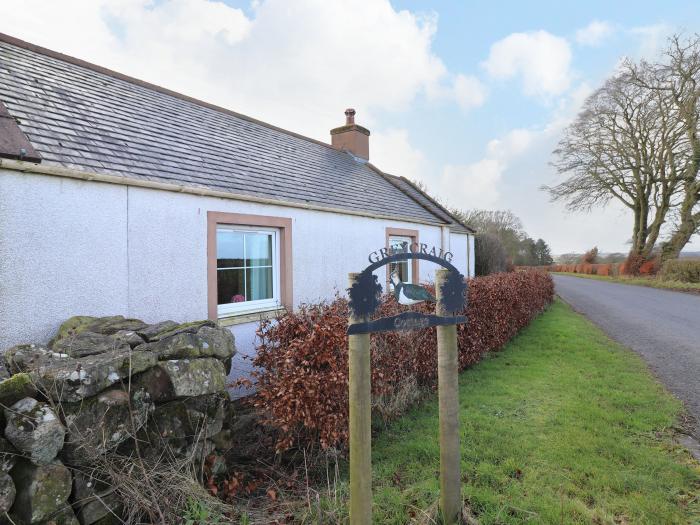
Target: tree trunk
[(688, 226)]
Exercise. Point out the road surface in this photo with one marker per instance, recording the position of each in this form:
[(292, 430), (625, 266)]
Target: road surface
[(660, 325)]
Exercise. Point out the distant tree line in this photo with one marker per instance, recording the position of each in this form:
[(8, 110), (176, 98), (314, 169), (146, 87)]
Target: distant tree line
[(592, 256), (637, 141), (501, 242)]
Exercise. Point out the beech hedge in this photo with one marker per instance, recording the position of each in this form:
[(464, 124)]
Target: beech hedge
[(302, 356)]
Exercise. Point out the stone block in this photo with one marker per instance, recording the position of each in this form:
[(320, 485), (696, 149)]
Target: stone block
[(109, 325), (95, 500), (182, 378), (191, 327), (101, 423), (63, 516), (178, 424), (90, 343), (15, 388), (152, 332), (72, 380), (42, 490), (34, 429), (130, 337), (8, 455), (208, 341), (22, 358), (7, 493)]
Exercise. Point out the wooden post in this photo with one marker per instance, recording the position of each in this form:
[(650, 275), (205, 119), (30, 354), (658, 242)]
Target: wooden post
[(448, 394), (360, 397)]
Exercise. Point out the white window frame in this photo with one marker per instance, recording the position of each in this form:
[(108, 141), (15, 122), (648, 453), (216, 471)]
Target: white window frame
[(261, 305), (403, 239)]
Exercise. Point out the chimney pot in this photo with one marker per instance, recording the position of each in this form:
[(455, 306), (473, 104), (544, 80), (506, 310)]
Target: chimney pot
[(349, 116), (351, 137)]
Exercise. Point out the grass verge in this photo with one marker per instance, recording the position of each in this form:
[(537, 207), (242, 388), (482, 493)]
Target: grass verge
[(563, 426), (651, 282)]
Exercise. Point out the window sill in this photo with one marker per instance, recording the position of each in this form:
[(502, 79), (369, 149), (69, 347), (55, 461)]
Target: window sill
[(250, 317)]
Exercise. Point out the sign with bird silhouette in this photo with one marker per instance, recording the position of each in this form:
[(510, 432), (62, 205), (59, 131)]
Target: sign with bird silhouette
[(365, 293)]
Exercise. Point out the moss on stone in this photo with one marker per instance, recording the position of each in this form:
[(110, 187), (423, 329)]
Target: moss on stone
[(72, 326), (191, 326), (41, 490), (15, 388)]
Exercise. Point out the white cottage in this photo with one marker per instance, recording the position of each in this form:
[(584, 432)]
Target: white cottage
[(122, 197)]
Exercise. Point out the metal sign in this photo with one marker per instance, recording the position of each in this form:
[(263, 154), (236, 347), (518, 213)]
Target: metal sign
[(365, 293)]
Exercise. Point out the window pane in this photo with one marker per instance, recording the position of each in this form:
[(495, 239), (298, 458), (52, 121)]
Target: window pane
[(399, 245), (229, 248), (259, 283), (401, 268), (258, 249), (230, 286)]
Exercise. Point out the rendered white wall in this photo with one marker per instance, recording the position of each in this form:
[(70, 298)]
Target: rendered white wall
[(71, 247), (62, 252)]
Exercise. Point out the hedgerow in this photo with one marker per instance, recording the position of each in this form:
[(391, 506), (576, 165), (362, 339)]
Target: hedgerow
[(302, 357), (684, 270), (634, 265)]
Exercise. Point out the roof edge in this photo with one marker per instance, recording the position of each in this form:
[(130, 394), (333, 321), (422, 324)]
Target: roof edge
[(14, 41), (90, 176), (388, 177)]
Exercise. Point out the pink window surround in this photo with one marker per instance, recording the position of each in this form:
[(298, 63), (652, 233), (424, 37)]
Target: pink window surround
[(283, 224)]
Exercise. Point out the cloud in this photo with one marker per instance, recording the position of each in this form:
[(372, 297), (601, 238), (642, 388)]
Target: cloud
[(594, 33), (477, 183), (295, 64), (469, 92), (541, 59), (392, 152), (651, 38)]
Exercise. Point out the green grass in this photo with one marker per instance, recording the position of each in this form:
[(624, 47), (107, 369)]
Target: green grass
[(563, 426), (652, 282)]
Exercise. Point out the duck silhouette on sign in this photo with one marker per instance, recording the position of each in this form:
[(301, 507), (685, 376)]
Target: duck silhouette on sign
[(408, 294)]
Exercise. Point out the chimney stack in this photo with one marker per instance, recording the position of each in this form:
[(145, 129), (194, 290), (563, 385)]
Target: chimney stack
[(351, 137)]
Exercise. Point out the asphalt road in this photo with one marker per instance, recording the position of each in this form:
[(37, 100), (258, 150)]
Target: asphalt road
[(660, 325)]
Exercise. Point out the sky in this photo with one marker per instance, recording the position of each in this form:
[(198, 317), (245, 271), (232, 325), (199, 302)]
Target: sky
[(468, 97)]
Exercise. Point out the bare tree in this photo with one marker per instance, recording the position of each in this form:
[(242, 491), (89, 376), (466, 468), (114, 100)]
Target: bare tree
[(621, 147), (676, 80), (503, 224)]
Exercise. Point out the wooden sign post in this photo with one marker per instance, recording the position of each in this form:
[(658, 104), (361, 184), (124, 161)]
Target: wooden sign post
[(360, 423), (448, 399), (450, 296)]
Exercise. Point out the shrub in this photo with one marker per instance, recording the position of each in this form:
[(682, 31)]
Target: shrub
[(684, 270), (302, 381), (649, 266), (632, 265), (604, 269)]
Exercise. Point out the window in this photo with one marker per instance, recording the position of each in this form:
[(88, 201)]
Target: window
[(407, 270), (249, 265), (247, 269), (403, 268)]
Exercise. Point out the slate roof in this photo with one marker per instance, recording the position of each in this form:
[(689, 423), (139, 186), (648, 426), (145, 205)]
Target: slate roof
[(428, 202), (81, 116)]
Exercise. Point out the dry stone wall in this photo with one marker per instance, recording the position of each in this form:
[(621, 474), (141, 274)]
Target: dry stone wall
[(104, 387)]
